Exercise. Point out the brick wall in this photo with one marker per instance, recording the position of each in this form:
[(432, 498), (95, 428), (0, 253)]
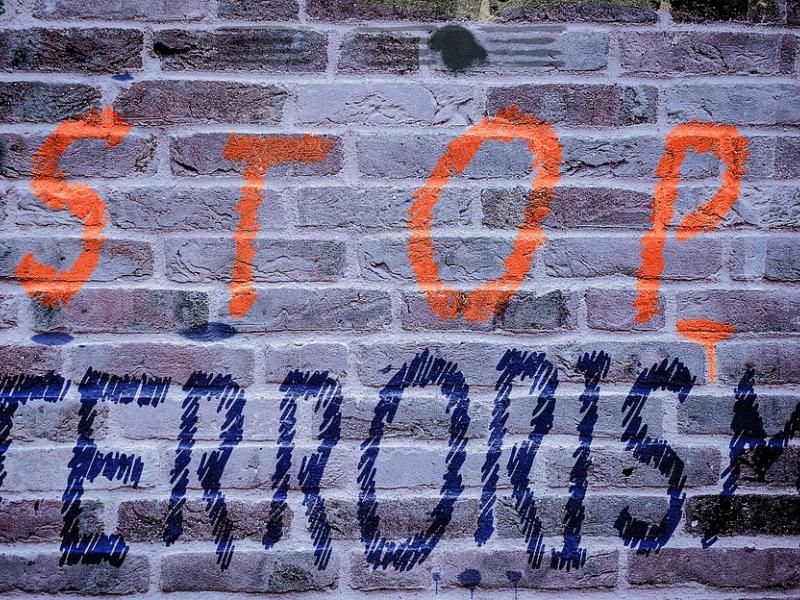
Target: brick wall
[(619, 471)]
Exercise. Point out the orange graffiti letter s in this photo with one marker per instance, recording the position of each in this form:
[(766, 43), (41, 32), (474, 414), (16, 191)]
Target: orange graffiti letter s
[(43, 282)]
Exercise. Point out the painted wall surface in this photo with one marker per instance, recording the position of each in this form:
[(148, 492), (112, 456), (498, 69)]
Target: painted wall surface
[(400, 299)]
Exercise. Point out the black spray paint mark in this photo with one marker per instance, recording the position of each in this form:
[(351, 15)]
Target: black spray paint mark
[(458, 47), (88, 462), (748, 433), (209, 332), (514, 578), (470, 579), (423, 370), (328, 394), (594, 367), (544, 376), (230, 401), (21, 389), (52, 339), (635, 532)]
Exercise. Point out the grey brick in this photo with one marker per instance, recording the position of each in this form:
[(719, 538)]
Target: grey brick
[(742, 104), (635, 156), (626, 11), (601, 511), (771, 258), (41, 573), (8, 311), (38, 520), (702, 414), (280, 360), (328, 309), (85, 158), (124, 311), (62, 50), (376, 362), (29, 359), (715, 53), (612, 467), (373, 207), (612, 310), (385, 52), (600, 570), (176, 361), (698, 258), (338, 10), (744, 514), (143, 520), (385, 104), (258, 10), (773, 157), (202, 154), (749, 310), (571, 105), (211, 259), (56, 422), (571, 207), (520, 51), (156, 103), (122, 10), (249, 571), (733, 567), (40, 102), (271, 50), (120, 260), (774, 361)]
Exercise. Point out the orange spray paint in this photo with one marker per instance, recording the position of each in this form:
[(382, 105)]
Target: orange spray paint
[(43, 282), (259, 154), (728, 146), (490, 298), (708, 334)]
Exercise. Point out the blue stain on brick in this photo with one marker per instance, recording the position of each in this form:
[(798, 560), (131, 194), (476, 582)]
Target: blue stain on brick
[(328, 394), (635, 532), (209, 332), (594, 367), (470, 579), (514, 577), (748, 433), (52, 339), (423, 370), (88, 462), (523, 365), (122, 77), (230, 400), (21, 389)]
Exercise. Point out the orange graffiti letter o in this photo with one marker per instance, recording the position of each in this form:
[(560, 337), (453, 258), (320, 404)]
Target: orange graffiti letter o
[(490, 298), (41, 281)]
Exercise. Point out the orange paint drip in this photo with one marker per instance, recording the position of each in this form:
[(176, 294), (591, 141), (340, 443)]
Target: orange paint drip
[(43, 282), (708, 334), (259, 154), (490, 298), (729, 147)]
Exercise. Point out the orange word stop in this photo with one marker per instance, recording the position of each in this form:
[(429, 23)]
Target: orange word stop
[(490, 298), (259, 153), (729, 147), (43, 282)]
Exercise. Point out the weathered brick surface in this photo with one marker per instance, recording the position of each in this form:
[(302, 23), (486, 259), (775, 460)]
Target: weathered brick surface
[(85, 158), (394, 89), (254, 572), (39, 102), (65, 50), (269, 50), (580, 105), (41, 573), (177, 102), (733, 568)]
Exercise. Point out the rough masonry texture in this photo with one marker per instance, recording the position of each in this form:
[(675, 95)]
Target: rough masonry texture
[(341, 438)]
